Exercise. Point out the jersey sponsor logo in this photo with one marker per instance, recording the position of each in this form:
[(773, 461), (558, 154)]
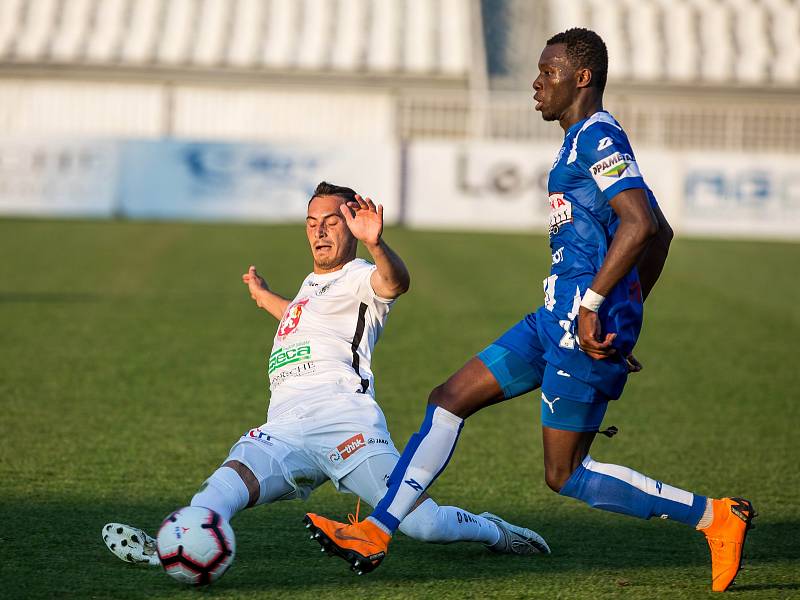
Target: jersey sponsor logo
[(612, 166), (558, 255), (291, 319), (347, 448), (286, 356), (259, 435), (383, 441), (604, 143), (560, 211), (305, 368)]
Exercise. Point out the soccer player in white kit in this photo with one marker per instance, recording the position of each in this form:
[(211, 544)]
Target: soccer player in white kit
[(323, 422)]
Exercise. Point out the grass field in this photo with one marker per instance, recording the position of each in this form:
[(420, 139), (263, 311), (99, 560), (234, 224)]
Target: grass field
[(132, 358)]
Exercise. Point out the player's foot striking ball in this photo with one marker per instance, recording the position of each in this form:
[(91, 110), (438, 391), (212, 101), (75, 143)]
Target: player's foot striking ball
[(609, 241)]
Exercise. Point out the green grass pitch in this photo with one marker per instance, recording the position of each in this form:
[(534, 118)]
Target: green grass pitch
[(132, 358)]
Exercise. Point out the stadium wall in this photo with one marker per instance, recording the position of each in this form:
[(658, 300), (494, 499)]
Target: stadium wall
[(479, 185)]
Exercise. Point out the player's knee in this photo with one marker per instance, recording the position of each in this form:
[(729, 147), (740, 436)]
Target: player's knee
[(446, 397), (556, 475), (248, 478)]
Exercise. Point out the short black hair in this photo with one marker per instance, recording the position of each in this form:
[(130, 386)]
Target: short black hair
[(328, 189), (585, 50)]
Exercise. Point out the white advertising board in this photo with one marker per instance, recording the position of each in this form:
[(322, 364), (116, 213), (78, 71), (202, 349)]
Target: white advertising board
[(503, 186), (481, 185), (254, 182), (58, 178)]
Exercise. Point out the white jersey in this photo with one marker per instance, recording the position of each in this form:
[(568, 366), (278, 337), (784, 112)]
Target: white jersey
[(326, 336)]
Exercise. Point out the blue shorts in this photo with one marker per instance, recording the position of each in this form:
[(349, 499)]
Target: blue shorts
[(516, 360)]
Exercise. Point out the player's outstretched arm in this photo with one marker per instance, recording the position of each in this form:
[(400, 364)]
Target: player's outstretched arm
[(265, 298), (365, 220), (637, 227), (652, 261)]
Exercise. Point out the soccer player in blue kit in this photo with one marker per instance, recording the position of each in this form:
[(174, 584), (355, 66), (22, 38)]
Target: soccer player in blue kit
[(609, 241)]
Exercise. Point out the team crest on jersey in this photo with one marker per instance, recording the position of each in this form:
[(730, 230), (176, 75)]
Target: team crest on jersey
[(560, 212), (291, 319)]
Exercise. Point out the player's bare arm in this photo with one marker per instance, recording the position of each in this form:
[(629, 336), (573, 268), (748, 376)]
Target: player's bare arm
[(652, 261), (265, 298), (637, 228), (365, 220)]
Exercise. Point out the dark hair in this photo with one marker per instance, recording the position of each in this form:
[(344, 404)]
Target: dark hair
[(585, 50), (328, 189)]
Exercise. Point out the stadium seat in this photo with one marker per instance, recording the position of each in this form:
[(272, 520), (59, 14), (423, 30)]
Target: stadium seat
[(178, 36), (679, 21), (105, 41), (384, 36), (212, 33), (10, 19), (455, 36), (784, 16), (751, 39), (420, 33), (141, 33), (607, 20), (280, 40), (33, 41), (69, 34), (247, 28), (314, 40), (646, 43), (717, 53), (347, 52)]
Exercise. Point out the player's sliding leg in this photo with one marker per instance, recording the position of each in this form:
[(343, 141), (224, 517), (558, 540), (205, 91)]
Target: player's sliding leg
[(427, 522), (571, 471), (474, 386), (250, 476), (432, 523)]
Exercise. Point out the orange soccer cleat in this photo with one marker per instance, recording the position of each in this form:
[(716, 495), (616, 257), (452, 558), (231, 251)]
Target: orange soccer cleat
[(725, 536), (362, 544)]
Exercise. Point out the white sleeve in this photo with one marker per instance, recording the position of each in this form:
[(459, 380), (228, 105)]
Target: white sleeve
[(361, 282)]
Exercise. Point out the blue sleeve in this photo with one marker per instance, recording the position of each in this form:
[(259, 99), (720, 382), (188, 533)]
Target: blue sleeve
[(606, 155)]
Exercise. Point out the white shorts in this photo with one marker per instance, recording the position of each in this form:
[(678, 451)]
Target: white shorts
[(313, 443)]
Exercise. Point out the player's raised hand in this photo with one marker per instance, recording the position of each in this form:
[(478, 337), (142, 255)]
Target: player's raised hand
[(590, 335), (364, 220), (255, 283)]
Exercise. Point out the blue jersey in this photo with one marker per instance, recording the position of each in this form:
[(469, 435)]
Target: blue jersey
[(594, 164)]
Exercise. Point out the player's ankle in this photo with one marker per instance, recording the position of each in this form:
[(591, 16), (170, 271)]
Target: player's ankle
[(707, 518), (379, 525)]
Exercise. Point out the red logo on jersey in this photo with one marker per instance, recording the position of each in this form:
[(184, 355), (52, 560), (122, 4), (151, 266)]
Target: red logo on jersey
[(291, 319), (350, 446)]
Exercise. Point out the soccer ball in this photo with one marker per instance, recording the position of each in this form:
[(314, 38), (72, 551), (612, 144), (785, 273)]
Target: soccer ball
[(195, 545)]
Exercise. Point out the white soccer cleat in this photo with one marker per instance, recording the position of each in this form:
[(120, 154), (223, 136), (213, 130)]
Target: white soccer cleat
[(515, 539), (130, 544)]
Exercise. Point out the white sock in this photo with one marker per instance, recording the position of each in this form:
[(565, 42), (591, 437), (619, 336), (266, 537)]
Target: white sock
[(436, 524), (433, 450), (224, 493), (708, 515)]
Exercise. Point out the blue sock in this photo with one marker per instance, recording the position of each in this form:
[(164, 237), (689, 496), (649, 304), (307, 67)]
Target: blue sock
[(425, 456), (623, 490)]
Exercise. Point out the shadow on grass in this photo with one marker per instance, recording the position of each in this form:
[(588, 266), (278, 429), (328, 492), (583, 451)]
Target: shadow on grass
[(53, 549)]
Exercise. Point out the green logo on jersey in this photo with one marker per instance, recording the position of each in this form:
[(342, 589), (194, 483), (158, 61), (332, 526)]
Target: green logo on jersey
[(286, 356), (616, 170)]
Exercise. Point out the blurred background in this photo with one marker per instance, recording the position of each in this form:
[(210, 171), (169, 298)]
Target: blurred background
[(235, 109)]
